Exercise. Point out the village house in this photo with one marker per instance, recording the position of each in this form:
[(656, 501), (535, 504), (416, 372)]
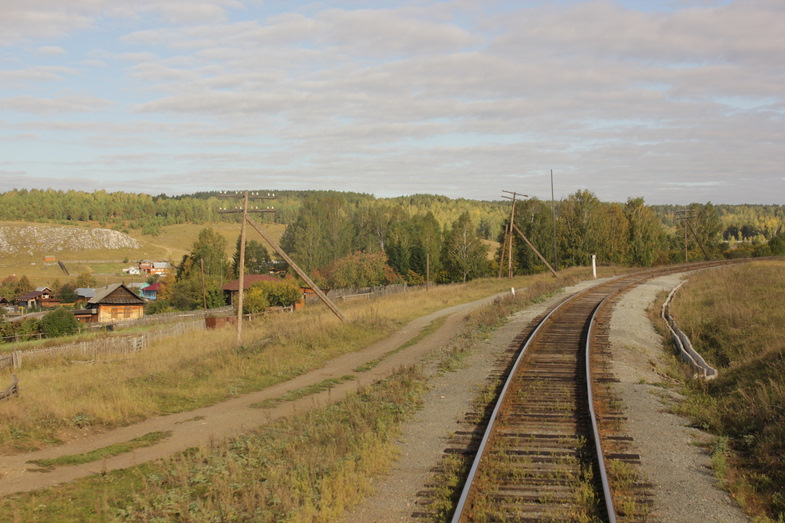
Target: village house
[(151, 268), (112, 304), (151, 291), (40, 298)]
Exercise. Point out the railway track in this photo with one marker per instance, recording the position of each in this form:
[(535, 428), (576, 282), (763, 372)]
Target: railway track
[(554, 447)]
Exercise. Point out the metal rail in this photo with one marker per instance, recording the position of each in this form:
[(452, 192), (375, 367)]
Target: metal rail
[(567, 327)]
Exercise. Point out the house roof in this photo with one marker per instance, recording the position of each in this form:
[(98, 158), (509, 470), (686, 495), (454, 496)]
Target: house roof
[(249, 280), (161, 265), (115, 294), (155, 287), (85, 292), (43, 289), (29, 296)]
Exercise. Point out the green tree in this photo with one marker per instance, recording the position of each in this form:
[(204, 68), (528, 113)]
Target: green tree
[(85, 280), (265, 294), (257, 259), (646, 236), (465, 256), (582, 228), (59, 322), (67, 293), (363, 269), (24, 286)]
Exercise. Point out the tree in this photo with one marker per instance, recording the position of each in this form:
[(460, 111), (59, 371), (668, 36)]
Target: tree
[(24, 286), (59, 322), (257, 259), (645, 233), (465, 256), (582, 228), (67, 293), (85, 280), (265, 294), (363, 269)]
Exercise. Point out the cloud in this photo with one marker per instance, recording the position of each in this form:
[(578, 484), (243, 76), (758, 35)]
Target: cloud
[(50, 50), (66, 104)]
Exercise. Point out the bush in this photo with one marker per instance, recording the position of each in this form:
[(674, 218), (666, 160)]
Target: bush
[(59, 322), (158, 307), (265, 294)]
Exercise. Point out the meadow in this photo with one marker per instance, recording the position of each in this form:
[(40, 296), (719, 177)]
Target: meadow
[(205, 367), (309, 467), (734, 317)]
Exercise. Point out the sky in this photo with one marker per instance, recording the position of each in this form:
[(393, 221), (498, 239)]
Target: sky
[(672, 101)]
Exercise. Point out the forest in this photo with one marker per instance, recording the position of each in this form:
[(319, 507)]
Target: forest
[(351, 239)]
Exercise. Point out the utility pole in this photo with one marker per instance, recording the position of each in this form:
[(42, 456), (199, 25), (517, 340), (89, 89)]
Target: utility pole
[(553, 214), (508, 237), (516, 229), (241, 269), (686, 215)]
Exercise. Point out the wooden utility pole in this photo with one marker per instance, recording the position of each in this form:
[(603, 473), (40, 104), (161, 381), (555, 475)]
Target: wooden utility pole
[(298, 270), (553, 213), (241, 269), (686, 215), (516, 229), (508, 237)]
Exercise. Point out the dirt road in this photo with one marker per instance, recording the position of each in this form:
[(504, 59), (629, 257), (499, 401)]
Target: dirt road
[(198, 427)]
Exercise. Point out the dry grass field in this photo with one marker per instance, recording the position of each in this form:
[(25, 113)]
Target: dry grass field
[(304, 468), (734, 317)]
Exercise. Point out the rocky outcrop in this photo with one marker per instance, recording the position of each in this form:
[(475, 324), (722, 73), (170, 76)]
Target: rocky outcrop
[(32, 239)]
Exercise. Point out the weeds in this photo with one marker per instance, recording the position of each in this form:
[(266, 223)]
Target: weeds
[(737, 326), (106, 452)]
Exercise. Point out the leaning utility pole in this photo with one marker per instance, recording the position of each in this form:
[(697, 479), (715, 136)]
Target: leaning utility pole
[(241, 269), (516, 229), (298, 270), (686, 215)]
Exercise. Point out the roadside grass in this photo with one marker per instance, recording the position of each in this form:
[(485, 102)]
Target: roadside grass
[(147, 440), (430, 329), (302, 392), (205, 367), (734, 318), (308, 467)]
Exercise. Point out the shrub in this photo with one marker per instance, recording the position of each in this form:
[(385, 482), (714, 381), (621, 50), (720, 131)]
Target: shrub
[(59, 322), (265, 294)]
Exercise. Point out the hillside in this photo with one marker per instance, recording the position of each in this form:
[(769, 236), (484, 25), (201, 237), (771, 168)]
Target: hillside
[(42, 239)]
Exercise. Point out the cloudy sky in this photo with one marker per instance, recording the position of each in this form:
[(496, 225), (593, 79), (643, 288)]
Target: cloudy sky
[(674, 101)]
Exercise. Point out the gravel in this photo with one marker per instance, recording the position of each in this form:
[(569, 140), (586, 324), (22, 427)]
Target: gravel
[(684, 487)]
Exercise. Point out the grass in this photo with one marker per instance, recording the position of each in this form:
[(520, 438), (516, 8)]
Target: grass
[(205, 367), (147, 440), (302, 392), (308, 467), (427, 331), (737, 327)]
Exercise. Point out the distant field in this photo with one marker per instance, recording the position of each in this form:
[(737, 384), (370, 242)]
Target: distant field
[(173, 242)]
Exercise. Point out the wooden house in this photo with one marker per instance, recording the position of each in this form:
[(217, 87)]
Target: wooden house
[(112, 304), (40, 298)]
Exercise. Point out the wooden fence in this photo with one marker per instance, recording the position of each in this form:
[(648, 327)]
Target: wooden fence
[(11, 391), (90, 349)]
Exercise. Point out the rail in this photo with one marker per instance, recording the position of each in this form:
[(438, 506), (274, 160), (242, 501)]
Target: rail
[(512, 497)]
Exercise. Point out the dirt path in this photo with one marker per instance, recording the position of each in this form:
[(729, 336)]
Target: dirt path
[(198, 427)]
